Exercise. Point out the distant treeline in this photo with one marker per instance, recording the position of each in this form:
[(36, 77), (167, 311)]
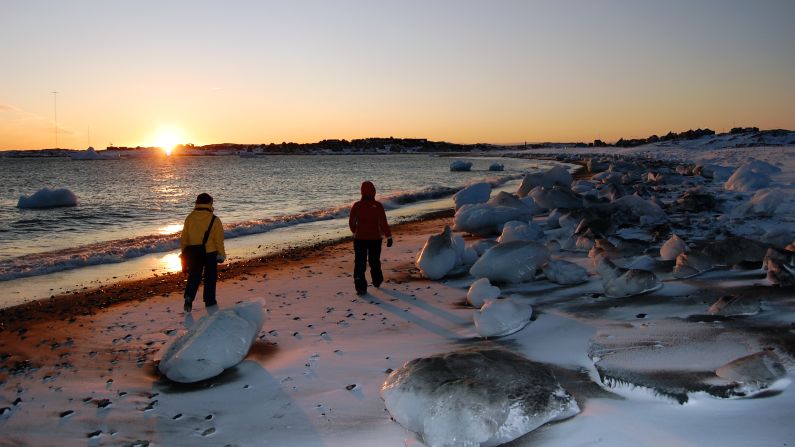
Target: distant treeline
[(363, 144), (686, 135)]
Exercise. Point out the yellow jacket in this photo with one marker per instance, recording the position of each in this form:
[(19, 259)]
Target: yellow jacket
[(196, 224)]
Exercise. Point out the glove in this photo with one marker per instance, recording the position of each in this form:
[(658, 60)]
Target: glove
[(389, 241), (220, 259)]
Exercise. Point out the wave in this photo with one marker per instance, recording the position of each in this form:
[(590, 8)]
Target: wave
[(121, 250)]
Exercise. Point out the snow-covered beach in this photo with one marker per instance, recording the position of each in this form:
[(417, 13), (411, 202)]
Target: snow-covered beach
[(653, 369)]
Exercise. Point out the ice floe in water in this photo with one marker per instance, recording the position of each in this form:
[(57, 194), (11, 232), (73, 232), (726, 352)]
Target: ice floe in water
[(48, 198), (460, 166), (217, 342), (475, 397)]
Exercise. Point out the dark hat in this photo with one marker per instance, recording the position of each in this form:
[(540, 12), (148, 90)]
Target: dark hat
[(203, 198)]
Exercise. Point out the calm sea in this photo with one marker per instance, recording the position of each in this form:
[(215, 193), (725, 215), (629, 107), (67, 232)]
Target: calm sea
[(134, 208)]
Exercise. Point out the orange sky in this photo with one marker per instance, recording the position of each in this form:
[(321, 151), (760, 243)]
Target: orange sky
[(462, 71)]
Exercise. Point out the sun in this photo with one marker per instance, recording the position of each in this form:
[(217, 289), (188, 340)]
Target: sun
[(167, 139)]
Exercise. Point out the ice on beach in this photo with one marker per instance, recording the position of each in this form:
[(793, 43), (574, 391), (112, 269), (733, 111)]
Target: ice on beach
[(475, 397), (438, 256), (765, 202), (500, 317), (475, 193), (751, 176), (520, 231), (460, 166), (511, 262), (485, 219), (564, 272), (217, 342), (672, 248), (755, 371), (620, 282), (480, 291), (556, 176), (735, 305), (715, 172), (556, 197), (465, 255), (646, 212), (496, 167), (48, 198)]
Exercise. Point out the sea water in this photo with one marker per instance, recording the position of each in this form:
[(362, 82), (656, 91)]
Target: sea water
[(130, 211)]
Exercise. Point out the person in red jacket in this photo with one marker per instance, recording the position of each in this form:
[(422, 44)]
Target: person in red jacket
[(368, 225)]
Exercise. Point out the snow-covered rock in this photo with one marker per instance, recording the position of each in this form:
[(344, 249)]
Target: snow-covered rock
[(564, 272), (672, 248), (520, 231), (217, 342), (497, 318), (48, 198), (475, 193), (475, 397), (438, 256), (460, 166), (511, 262), (751, 176), (480, 291)]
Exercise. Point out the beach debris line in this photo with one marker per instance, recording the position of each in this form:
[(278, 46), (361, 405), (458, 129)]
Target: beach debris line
[(475, 396), (217, 342)]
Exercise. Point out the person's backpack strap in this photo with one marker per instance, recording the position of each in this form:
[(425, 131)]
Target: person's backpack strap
[(207, 233)]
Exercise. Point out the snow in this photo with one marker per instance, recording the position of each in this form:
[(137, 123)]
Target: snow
[(511, 262), (499, 317), (48, 198), (217, 342), (475, 193), (438, 256), (460, 166), (480, 291)]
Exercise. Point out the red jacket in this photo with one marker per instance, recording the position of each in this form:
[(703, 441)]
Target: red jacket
[(368, 219)]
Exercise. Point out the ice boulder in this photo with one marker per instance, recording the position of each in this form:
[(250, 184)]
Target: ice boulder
[(620, 282), (497, 318), (480, 291), (217, 342), (672, 248), (476, 193), (466, 255), (556, 176), (438, 256), (634, 209), (750, 176), (460, 166), (475, 397), (564, 272), (488, 218), (511, 262), (557, 197), (48, 198), (765, 202), (520, 231), (496, 167)]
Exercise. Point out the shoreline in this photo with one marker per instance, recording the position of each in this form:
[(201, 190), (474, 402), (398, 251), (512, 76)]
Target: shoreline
[(69, 305)]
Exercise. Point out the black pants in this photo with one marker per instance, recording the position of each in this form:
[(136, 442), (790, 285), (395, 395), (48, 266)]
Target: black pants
[(365, 251), (209, 266)]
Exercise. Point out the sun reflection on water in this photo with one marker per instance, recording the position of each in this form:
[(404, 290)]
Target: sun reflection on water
[(170, 229), (171, 262)]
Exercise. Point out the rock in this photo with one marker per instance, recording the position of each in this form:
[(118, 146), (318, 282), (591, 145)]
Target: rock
[(438, 256), (497, 318), (480, 291), (731, 305), (217, 342), (460, 166), (475, 397), (511, 262)]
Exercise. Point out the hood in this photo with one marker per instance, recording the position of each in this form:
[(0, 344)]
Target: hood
[(204, 206), (368, 190)]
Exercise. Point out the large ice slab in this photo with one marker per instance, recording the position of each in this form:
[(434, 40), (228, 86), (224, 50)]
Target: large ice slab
[(502, 317), (438, 255), (217, 342), (475, 397), (511, 262)]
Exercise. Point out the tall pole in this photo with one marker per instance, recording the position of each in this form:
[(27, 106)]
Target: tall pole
[(55, 115)]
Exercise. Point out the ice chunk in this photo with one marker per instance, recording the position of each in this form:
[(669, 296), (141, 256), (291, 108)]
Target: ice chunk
[(764, 203), (733, 305), (672, 248), (48, 198), (511, 262), (556, 197), (496, 167), (438, 256), (520, 231), (556, 176), (480, 291), (476, 193), (639, 210), (564, 272), (497, 318), (460, 166), (475, 397), (749, 177), (756, 371), (485, 218), (217, 342), (619, 282)]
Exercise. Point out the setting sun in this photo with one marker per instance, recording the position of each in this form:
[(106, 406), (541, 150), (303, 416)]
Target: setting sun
[(167, 139)]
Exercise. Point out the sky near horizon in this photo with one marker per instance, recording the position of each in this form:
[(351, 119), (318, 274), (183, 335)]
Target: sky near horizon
[(143, 72)]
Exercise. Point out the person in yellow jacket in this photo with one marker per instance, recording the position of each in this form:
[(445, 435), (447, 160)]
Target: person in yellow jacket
[(199, 222)]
